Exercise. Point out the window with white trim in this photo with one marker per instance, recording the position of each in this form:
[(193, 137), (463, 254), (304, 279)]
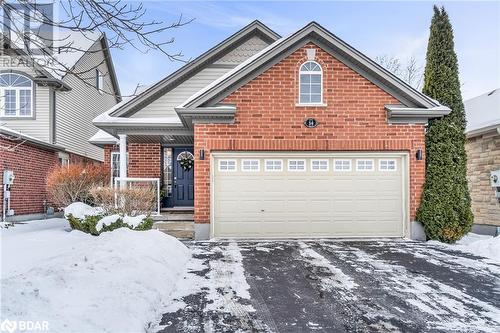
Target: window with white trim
[(310, 83), (342, 165), (274, 165), (99, 81), (319, 165), (227, 165), (250, 165), (387, 165), (115, 166), (296, 165), (364, 165), (16, 95)]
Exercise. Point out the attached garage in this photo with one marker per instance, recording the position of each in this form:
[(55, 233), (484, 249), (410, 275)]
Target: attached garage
[(309, 194)]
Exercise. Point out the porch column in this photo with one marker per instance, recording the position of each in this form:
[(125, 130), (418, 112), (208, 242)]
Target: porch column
[(123, 160)]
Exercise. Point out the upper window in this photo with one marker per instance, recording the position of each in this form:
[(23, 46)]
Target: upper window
[(311, 83), (99, 81), (16, 95)]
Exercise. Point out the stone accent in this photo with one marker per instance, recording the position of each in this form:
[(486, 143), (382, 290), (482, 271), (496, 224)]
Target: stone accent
[(483, 154), (268, 118)]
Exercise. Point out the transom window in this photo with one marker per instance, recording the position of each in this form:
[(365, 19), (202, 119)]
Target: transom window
[(387, 165), (250, 165), (296, 165), (319, 165), (16, 95), (274, 165), (364, 165), (342, 165), (227, 165), (311, 83)]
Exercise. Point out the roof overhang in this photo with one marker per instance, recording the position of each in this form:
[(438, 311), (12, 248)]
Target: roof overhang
[(223, 114), (21, 138), (400, 114), (492, 129), (279, 50)]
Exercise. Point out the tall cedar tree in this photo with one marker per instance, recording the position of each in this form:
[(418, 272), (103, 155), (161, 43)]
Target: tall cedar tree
[(445, 210)]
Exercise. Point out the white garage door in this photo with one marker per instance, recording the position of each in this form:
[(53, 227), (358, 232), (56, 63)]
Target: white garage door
[(291, 195)]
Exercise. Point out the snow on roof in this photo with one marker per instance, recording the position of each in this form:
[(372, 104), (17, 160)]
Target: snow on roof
[(69, 47), (10, 132), (103, 137), (483, 111)]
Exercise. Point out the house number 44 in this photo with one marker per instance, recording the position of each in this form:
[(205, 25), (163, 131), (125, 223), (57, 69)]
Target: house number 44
[(311, 122)]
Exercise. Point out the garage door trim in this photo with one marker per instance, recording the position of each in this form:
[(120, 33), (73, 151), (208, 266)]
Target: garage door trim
[(405, 167)]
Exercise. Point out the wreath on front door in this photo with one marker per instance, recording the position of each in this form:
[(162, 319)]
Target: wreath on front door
[(186, 160)]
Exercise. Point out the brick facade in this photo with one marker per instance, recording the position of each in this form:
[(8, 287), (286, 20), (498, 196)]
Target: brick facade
[(268, 118), (144, 159), (483, 154), (31, 165)]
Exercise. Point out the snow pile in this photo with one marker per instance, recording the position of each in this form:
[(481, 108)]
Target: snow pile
[(79, 210), (133, 221), (107, 220), (80, 283), (480, 245)]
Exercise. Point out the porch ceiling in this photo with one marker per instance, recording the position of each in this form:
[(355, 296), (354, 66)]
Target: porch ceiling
[(163, 139)]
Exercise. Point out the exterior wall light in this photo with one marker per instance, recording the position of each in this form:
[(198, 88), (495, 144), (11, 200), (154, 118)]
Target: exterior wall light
[(418, 155), (202, 154)]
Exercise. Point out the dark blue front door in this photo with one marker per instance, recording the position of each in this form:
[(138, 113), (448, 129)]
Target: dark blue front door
[(183, 191)]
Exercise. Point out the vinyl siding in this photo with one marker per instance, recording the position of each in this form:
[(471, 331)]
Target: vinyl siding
[(243, 52), (39, 126), (164, 105), (76, 109)]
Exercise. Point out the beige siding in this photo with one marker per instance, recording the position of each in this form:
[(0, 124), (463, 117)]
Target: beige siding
[(39, 127), (243, 52), (76, 109), (164, 105), (483, 154)]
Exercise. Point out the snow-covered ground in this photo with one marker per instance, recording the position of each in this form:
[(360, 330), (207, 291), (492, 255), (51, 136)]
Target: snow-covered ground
[(116, 282), (480, 245)]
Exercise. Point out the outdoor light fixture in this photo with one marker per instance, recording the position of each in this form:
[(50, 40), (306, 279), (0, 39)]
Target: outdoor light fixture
[(202, 154), (418, 155)]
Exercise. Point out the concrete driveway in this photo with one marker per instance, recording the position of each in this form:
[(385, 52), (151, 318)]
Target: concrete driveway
[(334, 286)]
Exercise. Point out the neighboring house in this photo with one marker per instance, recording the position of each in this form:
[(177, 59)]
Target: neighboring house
[(483, 154), (302, 136), (46, 116)]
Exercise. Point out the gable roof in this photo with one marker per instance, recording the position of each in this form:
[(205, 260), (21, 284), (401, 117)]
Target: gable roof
[(483, 113), (194, 66), (313, 32)]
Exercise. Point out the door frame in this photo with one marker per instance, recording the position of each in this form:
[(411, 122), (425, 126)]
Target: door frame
[(405, 167), (170, 201)]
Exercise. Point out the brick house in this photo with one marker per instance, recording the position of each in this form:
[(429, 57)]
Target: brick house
[(483, 153), (46, 117), (301, 136)]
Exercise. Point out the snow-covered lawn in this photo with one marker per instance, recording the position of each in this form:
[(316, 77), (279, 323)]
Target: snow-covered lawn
[(116, 282), (480, 245)]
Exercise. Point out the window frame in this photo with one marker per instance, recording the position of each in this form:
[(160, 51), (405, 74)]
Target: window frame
[(319, 165), (250, 160), (17, 105), (99, 81), (387, 160), (273, 169), (342, 160), (296, 160), (320, 73), (114, 153), (365, 160), (219, 163)]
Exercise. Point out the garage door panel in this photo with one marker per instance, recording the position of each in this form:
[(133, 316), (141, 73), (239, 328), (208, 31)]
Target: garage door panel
[(308, 203)]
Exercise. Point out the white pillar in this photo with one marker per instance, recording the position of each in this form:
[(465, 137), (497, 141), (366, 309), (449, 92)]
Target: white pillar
[(123, 159)]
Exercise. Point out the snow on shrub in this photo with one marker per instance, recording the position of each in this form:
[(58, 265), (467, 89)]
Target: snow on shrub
[(79, 210), (113, 283)]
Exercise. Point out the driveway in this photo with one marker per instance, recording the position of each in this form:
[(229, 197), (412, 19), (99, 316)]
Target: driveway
[(334, 286)]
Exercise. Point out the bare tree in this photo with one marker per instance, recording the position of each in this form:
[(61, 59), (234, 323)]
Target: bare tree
[(31, 30), (411, 71)]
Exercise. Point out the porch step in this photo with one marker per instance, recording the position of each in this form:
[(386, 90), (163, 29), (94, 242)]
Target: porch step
[(179, 229), (173, 217)]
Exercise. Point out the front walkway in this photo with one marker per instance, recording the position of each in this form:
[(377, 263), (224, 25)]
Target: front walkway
[(350, 286)]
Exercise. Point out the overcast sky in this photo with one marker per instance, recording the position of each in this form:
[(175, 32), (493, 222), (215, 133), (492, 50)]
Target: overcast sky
[(399, 29)]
